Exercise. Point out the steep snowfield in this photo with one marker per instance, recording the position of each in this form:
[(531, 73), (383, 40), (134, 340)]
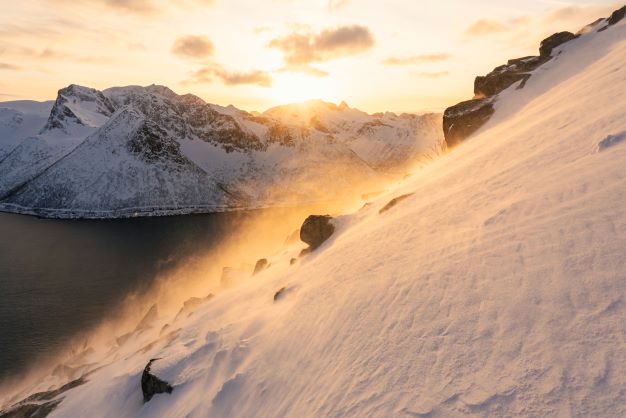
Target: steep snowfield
[(496, 289)]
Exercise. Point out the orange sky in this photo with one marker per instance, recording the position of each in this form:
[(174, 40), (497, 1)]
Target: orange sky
[(398, 55)]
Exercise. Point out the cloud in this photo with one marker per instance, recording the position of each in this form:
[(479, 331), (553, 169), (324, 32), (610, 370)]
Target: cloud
[(577, 14), (5, 66), (193, 46), (148, 6), (484, 27), (438, 74), (135, 6), (306, 69), (302, 49), (416, 59), (529, 27), (337, 4), (231, 78)]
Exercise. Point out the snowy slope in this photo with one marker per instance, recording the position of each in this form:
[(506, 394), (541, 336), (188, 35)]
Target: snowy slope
[(20, 119), (72, 168), (497, 289)]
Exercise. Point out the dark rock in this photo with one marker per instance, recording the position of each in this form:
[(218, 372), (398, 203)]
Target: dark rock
[(551, 42), (293, 261), (462, 120), (304, 252), (316, 229), (504, 76), (394, 202), (152, 385), (465, 118), (617, 16), (260, 265), (279, 294)]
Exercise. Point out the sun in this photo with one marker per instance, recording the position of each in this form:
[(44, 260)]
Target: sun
[(296, 88)]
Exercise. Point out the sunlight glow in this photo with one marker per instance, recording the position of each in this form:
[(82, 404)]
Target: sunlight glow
[(297, 88)]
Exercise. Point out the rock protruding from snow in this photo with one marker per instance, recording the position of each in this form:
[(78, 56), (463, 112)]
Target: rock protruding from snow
[(152, 385), (464, 119), (501, 78), (551, 42), (316, 229), (616, 17)]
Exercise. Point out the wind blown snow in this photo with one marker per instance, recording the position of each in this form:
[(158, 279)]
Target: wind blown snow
[(496, 289)]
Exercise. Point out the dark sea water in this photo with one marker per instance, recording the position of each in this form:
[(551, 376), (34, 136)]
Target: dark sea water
[(58, 277)]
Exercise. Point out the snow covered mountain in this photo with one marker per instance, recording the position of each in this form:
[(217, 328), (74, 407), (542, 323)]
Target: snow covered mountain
[(495, 287), (148, 151)]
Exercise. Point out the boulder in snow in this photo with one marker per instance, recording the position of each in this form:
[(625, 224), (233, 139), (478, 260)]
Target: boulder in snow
[(316, 229), (151, 385)]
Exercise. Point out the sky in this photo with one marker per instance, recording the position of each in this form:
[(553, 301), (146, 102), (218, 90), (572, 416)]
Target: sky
[(396, 55)]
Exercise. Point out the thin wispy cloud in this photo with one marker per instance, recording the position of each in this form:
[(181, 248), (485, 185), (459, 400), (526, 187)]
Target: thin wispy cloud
[(147, 6), (230, 78), (193, 46), (484, 27), (426, 74), (417, 59), (337, 4), (6, 66)]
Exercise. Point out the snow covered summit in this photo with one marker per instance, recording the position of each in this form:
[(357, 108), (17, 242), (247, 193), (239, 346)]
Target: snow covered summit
[(133, 150)]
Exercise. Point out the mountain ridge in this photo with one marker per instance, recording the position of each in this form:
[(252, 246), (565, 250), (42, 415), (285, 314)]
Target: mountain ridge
[(242, 160)]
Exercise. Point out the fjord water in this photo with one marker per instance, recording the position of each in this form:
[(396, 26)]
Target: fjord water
[(61, 277)]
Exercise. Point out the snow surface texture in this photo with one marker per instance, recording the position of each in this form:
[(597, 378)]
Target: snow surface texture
[(497, 288), (133, 150)]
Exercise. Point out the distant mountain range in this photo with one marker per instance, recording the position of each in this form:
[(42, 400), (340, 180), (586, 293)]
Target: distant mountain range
[(140, 151)]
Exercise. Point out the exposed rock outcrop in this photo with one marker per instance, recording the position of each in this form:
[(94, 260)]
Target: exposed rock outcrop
[(316, 229), (502, 77), (152, 385), (463, 119), (551, 42), (615, 17)]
